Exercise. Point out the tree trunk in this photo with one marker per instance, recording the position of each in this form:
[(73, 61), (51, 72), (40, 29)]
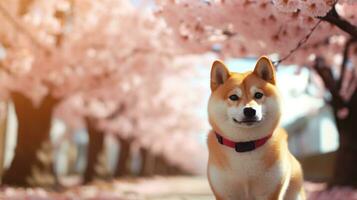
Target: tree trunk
[(345, 172), (150, 163), (160, 165), (34, 123), (95, 147), (144, 158), (123, 157), (174, 171)]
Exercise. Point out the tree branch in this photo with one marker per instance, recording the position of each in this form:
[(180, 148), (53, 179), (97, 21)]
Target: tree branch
[(333, 18), (345, 60), (321, 43), (299, 45), (330, 83)]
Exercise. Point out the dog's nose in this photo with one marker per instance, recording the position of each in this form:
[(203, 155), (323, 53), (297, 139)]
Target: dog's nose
[(249, 112)]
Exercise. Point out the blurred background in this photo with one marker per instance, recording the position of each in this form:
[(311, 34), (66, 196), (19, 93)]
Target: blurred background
[(108, 99)]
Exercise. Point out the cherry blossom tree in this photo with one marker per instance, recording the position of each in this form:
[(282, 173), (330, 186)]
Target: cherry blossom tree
[(152, 112), (112, 57), (319, 34)]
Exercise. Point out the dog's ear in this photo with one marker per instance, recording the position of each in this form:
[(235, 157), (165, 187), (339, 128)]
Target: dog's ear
[(265, 69), (219, 74)]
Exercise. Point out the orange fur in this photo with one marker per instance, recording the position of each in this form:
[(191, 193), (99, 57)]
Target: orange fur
[(268, 172), (214, 192), (217, 156), (274, 153)]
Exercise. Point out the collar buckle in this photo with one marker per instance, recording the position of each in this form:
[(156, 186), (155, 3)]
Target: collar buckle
[(244, 146)]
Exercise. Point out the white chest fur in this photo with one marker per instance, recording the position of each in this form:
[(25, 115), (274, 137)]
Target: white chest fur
[(247, 176)]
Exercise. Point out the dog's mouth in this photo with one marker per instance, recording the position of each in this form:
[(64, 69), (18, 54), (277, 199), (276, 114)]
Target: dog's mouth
[(248, 122)]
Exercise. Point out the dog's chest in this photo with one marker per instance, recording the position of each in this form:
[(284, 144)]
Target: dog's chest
[(246, 177)]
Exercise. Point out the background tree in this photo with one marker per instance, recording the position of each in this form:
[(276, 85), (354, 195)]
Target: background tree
[(148, 120), (318, 34), (55, 50)]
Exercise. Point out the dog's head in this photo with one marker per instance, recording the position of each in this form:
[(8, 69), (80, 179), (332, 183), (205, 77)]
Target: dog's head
[(244, 106)]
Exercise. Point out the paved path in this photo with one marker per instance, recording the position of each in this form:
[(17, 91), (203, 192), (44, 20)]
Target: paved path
[(160, 188), (157, 188)]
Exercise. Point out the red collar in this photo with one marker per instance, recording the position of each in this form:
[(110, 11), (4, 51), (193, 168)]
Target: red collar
[(242, 146)]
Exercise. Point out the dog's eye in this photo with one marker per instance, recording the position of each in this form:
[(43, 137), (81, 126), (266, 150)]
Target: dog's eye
[(258, 95), (234, 97)]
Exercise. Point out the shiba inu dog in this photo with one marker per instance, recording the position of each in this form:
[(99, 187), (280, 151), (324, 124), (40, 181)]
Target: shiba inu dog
[(248, 152)]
